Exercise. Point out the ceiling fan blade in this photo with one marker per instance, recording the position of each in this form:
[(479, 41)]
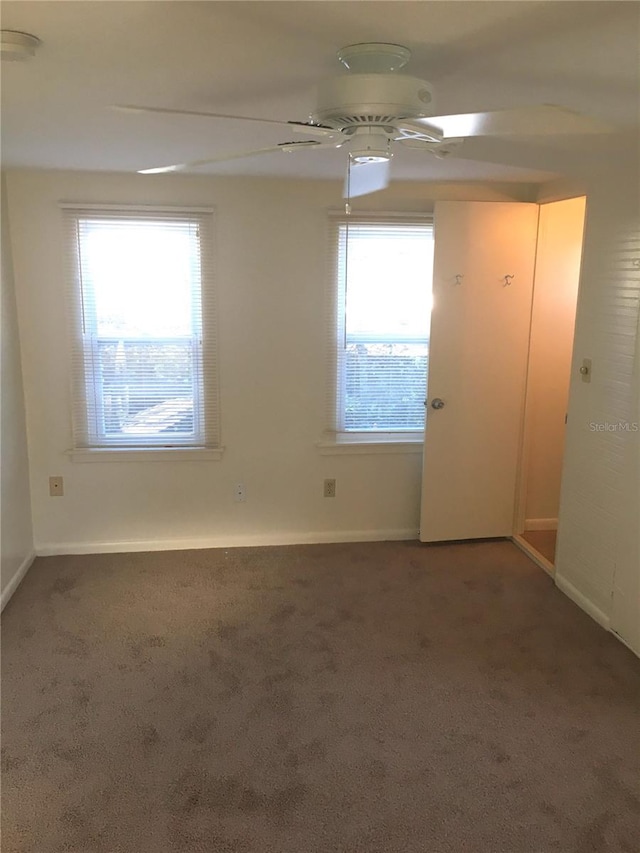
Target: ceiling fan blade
[(297, 126), (438, 149), (544, 120), (410, 130), (365, 178), (287, 147)]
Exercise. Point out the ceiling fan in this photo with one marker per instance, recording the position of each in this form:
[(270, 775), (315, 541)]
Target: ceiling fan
[(373, 109)]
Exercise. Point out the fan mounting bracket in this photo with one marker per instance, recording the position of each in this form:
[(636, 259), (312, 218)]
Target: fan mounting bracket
[(374, 57)]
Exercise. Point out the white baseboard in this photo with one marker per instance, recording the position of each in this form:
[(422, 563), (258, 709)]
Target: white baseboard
[(541, 524), (583, 602), (15, 581), (236, 540), (634, 649)]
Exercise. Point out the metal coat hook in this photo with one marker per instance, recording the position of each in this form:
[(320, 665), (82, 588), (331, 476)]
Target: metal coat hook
[(459, 278), (508, 279), (636, 263)]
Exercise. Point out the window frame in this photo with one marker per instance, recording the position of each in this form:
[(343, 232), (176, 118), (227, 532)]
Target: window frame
[(90, 443), (336, 438)]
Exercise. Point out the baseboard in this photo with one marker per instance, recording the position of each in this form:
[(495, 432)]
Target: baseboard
[(583, 602), (634, 649), (16, 580), (541, 524), (534, 555), (232, 541)]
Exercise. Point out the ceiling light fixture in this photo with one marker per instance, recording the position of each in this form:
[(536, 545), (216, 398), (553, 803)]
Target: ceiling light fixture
[(369, 145), (17, 46)]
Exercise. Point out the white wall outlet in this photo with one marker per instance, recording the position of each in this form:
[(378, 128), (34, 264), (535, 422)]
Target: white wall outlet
[(330, 488), (240, 493), (56, 487)]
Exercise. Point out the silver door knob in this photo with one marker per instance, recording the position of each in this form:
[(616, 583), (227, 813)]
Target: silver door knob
[(437, 403)]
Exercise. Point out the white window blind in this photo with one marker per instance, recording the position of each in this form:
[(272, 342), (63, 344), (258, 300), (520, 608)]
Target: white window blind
[(380, 312), (144, 356)]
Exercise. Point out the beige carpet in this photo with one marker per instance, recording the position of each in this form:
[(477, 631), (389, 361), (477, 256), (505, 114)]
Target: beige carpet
[(362, 698)]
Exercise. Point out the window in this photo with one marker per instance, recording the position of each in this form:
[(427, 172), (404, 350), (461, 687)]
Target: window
[(381, 314), (144, 371)]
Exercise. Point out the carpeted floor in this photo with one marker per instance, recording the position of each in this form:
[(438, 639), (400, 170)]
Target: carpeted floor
[(359, 698)]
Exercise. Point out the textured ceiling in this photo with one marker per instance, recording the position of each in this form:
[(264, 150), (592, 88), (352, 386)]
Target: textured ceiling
[(263, 59)]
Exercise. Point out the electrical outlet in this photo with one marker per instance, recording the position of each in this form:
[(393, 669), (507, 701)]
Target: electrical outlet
[(329, 488), (56, 487), (240, 493)]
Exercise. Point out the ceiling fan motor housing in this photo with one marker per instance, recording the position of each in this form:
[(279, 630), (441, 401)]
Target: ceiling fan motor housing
[(353, 100)]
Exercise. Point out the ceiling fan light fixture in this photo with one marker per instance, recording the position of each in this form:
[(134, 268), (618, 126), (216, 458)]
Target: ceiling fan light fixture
[(371, 158), (370, 147), (16, 46)]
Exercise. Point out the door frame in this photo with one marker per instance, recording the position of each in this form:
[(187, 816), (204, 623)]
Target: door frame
[(522, 478)]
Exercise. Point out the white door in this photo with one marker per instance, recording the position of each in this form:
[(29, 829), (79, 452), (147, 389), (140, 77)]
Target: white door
[(482, 285)]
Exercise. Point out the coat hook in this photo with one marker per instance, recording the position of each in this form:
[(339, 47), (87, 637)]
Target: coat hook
[(636, 263), (508, 279), (459, 278)]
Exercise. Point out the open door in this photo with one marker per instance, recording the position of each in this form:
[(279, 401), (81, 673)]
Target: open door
[(555, 295), (482, 284)]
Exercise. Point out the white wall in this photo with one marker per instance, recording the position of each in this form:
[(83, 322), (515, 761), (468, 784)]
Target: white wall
[(272, 271), (559, 250), (598, 555), (16, 538)]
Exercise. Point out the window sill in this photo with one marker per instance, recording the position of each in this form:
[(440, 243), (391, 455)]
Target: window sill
[(134, 454), (340, 448)]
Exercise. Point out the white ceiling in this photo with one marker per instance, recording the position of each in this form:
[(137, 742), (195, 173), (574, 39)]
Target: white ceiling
[(263, 59)]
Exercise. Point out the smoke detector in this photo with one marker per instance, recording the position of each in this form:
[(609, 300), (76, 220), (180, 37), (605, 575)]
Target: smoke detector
[(16, 46)]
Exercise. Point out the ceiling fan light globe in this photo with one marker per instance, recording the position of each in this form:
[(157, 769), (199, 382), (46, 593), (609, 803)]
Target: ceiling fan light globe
[(370, 158)]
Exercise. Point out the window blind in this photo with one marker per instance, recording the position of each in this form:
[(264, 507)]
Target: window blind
[(379, 320), (144, 361)]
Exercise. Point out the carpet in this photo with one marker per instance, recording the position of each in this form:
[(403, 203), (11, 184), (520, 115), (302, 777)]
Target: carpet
[(349, 698)]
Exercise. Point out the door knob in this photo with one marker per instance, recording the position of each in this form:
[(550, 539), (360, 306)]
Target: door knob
[(437, 403)]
